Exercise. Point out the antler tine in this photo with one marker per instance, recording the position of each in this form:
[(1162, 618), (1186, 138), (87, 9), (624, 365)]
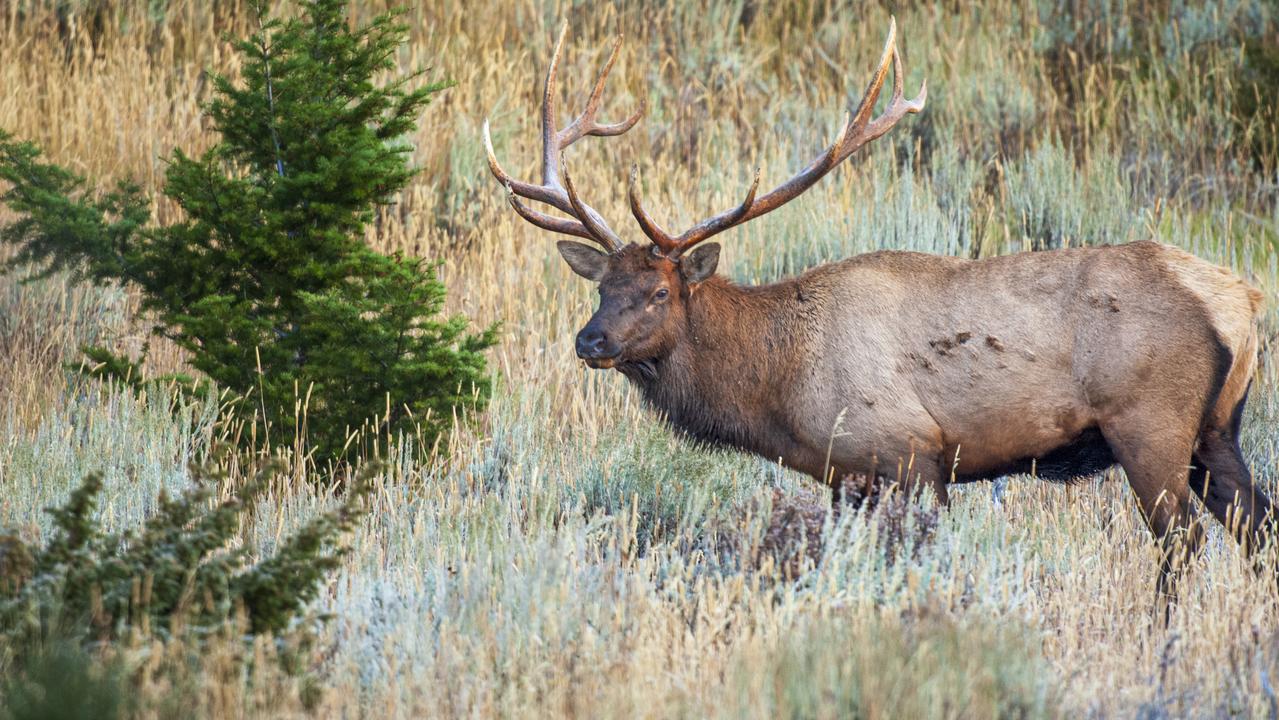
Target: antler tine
[(597, 92), (585, 123), (617, 128), (548, 222), (551, 148), (585, 222), (655, 233), (898, 80), (720, 222), (528, 190), (871, 96), (856, 131), (599, 232), (898, 106)]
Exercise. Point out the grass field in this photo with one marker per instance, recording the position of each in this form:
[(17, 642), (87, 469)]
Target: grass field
[(565, 554)]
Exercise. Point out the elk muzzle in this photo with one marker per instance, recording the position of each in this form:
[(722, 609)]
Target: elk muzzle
[(596, 347)]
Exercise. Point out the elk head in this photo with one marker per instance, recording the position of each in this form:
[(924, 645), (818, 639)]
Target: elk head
[(645, 289)]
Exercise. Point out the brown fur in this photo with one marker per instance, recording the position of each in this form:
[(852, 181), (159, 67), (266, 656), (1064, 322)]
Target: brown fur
[(932, 370)]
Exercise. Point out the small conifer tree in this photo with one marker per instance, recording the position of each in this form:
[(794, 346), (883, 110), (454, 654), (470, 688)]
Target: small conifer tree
[(83, 583), (266, 279), (182, 575)]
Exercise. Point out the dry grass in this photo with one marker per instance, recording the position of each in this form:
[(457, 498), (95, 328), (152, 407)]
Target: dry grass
[(567, 559)]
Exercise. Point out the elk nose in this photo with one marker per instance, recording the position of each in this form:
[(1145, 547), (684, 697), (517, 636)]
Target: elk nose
[(591, 344)]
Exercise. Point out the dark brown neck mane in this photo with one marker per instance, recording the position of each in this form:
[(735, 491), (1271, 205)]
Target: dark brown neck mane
[(726, 380)]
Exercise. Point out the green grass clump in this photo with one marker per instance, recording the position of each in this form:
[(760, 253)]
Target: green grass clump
[(666, 488)]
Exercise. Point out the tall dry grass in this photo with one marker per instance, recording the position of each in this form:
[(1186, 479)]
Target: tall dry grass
[(568, 556)]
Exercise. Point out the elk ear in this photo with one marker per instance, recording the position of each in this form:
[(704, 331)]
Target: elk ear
[(700, 264), (584, 259)]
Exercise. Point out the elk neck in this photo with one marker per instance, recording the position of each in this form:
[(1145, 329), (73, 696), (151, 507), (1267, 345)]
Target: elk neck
[(726, 379)]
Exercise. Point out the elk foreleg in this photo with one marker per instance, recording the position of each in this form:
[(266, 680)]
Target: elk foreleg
[(920, 471), (1157, 463)]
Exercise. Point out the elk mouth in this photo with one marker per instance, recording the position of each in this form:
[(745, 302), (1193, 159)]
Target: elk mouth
[(641, 371), (601, 363)]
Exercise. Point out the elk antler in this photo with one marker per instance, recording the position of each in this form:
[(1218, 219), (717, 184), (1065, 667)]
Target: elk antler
[(586, 223), (857, 131)]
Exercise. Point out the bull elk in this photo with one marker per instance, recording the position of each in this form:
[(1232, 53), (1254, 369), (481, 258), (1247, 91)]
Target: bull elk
[(937, 370)]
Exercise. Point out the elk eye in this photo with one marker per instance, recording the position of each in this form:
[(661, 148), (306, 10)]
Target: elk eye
[(661, 294)]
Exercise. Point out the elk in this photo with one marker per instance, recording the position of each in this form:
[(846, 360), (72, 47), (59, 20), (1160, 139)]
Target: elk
[(936, 370)]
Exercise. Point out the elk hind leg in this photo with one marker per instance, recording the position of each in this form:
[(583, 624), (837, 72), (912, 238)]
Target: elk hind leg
[(1223, 482)]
